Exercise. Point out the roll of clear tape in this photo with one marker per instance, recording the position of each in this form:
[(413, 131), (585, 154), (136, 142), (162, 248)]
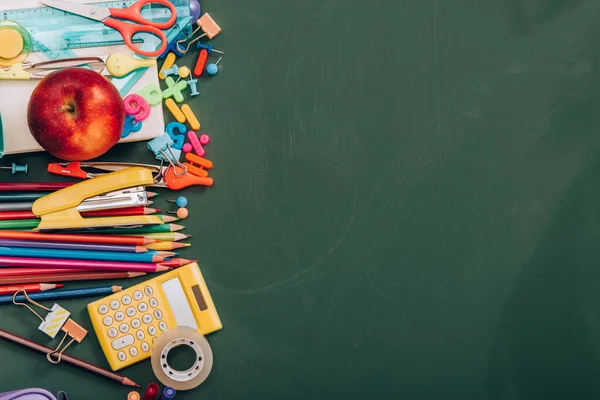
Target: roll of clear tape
[(193, 376)]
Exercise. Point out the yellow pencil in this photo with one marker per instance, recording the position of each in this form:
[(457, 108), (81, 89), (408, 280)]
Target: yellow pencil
[(166, 246)]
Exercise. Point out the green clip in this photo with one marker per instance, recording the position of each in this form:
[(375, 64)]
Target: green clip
[(174, 89), (152, 94)]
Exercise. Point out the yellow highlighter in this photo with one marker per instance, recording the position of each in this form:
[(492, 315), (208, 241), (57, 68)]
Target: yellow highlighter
[(128, 323)]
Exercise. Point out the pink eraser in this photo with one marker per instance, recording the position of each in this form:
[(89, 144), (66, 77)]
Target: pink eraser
[(195, 143)]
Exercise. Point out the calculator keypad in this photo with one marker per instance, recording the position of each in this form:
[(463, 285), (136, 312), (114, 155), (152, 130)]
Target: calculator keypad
[(131, 323)]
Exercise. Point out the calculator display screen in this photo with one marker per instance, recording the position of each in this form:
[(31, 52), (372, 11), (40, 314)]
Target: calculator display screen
[(179, 304)]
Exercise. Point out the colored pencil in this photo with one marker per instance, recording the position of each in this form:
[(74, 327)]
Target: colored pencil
[(93, 265), (165, 254), (176, 262), (77, 238), (16, 206), (65, 358), (19, 224), (167, 218), (4, 197), (117, 212), (80, 255), (151, 194), (33, 186), (74, 246), (165, 237), (30, 288), (64, 294), (70, 277), (166, 246), (28, 271), (143, 230)]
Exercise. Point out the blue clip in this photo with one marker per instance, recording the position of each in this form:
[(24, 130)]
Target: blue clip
[(161, 147), (131, 125), (178, 137), (173, 47)]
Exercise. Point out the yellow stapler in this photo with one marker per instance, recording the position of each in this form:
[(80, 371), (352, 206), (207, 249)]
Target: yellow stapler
[(60, 210)]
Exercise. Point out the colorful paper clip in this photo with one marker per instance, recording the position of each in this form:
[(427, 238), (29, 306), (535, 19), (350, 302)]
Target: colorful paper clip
[(56, 320)]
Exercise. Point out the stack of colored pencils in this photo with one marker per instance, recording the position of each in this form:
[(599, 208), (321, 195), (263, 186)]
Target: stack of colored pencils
[(40, 263)]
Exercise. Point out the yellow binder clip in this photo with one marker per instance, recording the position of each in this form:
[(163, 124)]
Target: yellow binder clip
[(60, 210)]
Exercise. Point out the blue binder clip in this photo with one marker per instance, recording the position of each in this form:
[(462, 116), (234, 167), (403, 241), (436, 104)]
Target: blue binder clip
[(163, 150)]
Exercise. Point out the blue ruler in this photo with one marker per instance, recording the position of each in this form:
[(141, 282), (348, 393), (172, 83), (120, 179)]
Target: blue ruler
[(56, 33)]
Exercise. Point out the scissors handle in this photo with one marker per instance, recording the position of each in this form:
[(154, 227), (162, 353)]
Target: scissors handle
[(134, 13), (128, 30)]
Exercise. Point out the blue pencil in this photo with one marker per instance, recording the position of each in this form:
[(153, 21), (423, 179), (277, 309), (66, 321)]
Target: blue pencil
[(64, 294), (80, 255)]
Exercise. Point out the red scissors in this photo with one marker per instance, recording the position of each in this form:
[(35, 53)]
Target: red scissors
[(127, 30)]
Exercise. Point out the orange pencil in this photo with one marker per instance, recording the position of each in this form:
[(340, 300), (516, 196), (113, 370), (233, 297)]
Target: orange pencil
[(30, 288)]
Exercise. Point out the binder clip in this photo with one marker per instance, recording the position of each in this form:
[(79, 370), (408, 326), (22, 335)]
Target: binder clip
[(163, 149), (61, 209), (208, 25), (56, 320)]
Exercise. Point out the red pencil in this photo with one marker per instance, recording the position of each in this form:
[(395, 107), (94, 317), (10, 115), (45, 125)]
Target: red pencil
[(30, 288), (76, 238), (118, 212), (70, 277), (33, 186), (176, 262)]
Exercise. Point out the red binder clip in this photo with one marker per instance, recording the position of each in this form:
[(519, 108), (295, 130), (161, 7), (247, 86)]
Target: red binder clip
[(72, 169)]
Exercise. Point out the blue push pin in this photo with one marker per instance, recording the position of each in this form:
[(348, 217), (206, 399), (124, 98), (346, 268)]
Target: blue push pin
[(213, 69), (168, 393), (174, 70), (208, 47), (193, 84), (17, 168), (181, 201)]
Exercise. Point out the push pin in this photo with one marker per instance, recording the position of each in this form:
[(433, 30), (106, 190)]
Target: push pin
[(213, 69), (181, 201), (193, 84), (174, 70), (174, 89), (184, 72), (208, 47), (16, 168), (182, 213)]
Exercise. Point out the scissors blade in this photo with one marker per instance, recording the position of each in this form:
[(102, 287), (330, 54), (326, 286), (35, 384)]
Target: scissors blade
[(91, 12)]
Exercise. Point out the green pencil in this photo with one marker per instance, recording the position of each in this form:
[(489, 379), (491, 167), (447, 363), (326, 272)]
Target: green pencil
[(19, 224), (139, 231)]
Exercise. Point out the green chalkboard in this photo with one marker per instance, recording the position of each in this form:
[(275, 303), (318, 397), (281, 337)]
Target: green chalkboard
[(405, 205)]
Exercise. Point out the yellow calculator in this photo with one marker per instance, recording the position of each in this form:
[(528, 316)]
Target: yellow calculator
[(129, 322)]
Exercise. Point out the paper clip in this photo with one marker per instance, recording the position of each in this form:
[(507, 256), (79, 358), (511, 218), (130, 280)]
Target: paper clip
[(56, 320), (207, 24)]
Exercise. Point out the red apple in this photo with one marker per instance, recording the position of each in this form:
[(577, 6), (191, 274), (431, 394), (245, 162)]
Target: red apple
[(76, 114)]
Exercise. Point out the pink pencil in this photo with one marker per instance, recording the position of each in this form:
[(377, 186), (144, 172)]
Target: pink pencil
[(80, 264)]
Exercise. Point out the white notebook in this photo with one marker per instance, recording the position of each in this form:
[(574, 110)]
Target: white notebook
[(14, 97)]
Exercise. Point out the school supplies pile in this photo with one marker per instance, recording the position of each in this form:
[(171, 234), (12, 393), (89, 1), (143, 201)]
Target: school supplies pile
[(102, 227)]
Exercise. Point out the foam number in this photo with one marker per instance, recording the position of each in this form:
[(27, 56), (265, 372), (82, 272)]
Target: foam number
[(152, 94), (137, 106), (131, 125), (176, 132)]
